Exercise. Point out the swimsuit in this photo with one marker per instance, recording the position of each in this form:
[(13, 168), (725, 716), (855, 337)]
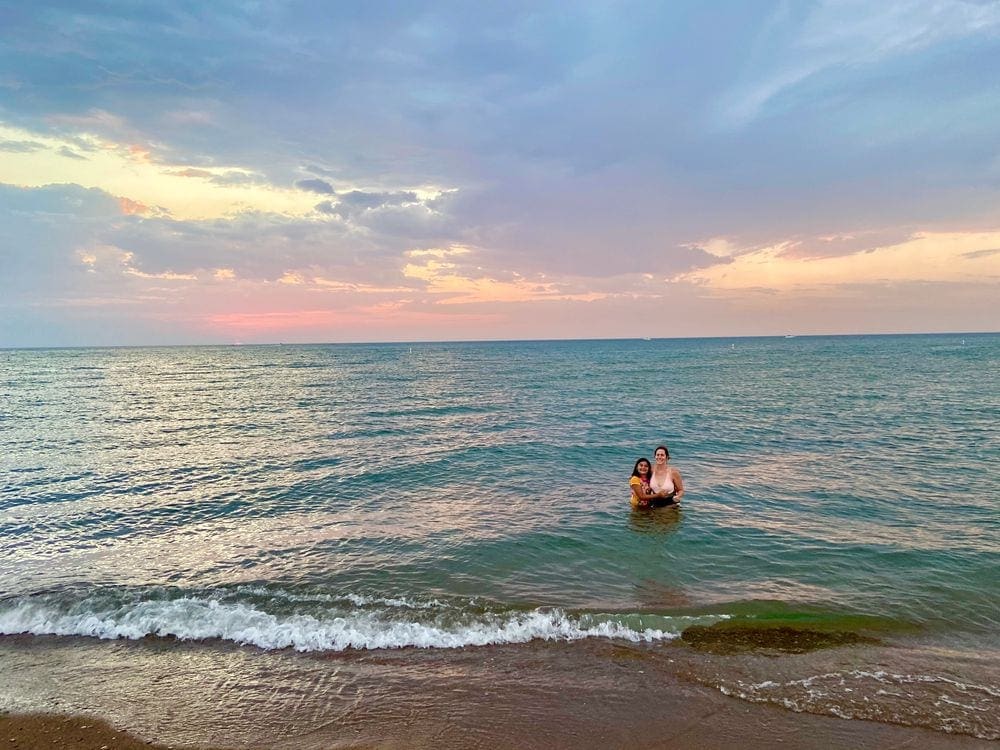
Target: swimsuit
[(666, 486), (660, 502)]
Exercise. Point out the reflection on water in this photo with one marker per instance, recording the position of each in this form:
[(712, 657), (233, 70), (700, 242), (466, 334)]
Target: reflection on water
[(655, 594), (660, 521)]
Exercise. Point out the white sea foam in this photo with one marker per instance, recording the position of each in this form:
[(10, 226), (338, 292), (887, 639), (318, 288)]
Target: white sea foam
[(359, 600), (245, 624), (860, 694)]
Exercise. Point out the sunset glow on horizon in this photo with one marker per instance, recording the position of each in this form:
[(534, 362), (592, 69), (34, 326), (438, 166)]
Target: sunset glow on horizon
[(497, 173)]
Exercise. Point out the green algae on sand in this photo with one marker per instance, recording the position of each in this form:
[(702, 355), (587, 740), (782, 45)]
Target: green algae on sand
[(735, 638)]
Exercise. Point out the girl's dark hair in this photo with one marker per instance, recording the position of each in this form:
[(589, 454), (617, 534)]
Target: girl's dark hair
[(635, 469), (665, 450)]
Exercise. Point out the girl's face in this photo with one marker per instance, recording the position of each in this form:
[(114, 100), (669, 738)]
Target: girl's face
[(661, 456), (643, 467)]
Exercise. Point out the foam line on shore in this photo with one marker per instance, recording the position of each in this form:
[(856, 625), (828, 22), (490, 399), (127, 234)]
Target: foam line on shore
[(930, 700)]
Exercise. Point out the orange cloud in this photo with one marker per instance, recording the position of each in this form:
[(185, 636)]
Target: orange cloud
[(954, 257), (149, 177), (139, 153), (455, 286), (130, 207)]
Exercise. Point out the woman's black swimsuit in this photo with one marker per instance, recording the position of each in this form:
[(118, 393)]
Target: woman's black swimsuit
[(660, 502)]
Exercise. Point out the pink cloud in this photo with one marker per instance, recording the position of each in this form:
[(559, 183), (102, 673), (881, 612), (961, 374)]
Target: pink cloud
[(130, 207)]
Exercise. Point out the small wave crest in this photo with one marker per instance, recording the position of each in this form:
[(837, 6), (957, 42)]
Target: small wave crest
[(931, 701), (345, 621)]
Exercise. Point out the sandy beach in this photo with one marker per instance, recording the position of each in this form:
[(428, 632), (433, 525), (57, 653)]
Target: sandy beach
[(36, 731)]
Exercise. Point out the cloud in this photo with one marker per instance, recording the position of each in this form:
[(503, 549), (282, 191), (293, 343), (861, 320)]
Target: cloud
[(98, 122), (315, 186), (783, 148), (833, 42), (925, 257), (191, 172), (457, 283), (357, 199), (220, 176), (238, 177), (39, 205), (976, 254), (21, 147), (70, 153), (128, 169), (129, 206), (356, 202), (48, 234)]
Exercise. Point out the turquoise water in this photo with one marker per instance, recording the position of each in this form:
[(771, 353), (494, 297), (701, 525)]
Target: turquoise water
[(441, 496)]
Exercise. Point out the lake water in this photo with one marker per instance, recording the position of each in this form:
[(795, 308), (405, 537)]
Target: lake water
[(837, 552)]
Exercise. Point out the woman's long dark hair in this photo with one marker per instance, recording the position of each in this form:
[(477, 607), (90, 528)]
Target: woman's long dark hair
[(635, 469)]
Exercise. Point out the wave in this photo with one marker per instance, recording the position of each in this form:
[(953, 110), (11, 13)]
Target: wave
[(932, 701), (266, 619)]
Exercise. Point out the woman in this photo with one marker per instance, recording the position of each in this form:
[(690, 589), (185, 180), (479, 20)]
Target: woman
[(639, 484), (665, 481)]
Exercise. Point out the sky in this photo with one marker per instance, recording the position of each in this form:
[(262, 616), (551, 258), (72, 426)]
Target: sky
[(263, 172)]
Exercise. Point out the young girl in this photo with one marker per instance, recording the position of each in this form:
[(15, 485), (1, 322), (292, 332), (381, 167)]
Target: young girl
[(639, 484)]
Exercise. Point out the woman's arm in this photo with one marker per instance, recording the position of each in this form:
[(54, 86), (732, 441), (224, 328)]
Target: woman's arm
[(678, 485)]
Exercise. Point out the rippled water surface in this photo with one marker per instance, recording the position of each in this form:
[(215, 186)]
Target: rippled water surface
[(450, 495)]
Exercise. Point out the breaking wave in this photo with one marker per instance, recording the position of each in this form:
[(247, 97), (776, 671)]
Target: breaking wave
[(270, 620)]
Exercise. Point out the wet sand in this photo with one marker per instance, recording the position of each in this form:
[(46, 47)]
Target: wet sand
[(539, 695), (750, 728), (37, 731)]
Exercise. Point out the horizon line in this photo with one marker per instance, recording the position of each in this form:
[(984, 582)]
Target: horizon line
[(419, 342)]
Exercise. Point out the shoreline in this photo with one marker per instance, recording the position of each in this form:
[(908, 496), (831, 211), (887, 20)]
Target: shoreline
[(744, 726), (98, 695)]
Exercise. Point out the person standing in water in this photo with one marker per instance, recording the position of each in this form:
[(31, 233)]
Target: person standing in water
[(665, 481), (639, 484)]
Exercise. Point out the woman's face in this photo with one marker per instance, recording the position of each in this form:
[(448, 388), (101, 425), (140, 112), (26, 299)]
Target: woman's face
[(642, 467), (661, 456)]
